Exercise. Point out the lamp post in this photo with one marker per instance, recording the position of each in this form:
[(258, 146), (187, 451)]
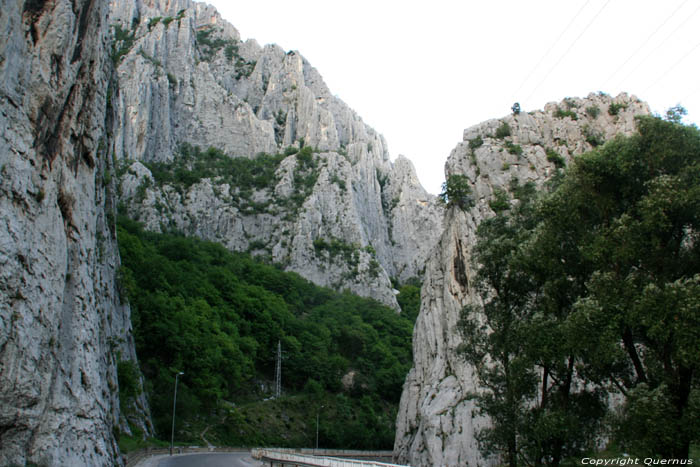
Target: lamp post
[(318, 412), (172, 435)]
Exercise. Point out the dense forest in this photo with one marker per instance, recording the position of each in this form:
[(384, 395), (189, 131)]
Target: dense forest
[(589, 328), (218, 316)]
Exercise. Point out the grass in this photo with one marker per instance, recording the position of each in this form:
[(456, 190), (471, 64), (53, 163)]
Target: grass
[(135, 442)]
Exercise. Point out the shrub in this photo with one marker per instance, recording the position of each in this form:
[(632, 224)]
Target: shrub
[(374, 268), (209, 47), (128, 378), (514, 148), (593, 137), (615, 108), (555, 158), (231, 51), (561, 113), (593, 111), (123, 41), (503, 130), (476, 142), (500, 201), (456, 191), (570, 103), (153, 22), (675, 114)]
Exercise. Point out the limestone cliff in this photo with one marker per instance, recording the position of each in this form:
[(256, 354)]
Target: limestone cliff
[(62, 325), (185, 76), (437, 420)]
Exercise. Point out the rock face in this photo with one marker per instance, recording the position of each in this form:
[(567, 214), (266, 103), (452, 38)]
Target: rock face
[(62, 327), (347, 218), (437, 419)]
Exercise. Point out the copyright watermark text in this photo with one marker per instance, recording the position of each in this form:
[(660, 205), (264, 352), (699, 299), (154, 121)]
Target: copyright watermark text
[(621, 461)]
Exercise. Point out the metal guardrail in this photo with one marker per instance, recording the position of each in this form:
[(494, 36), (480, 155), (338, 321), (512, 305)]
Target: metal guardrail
[(351, 453), (314, 461)]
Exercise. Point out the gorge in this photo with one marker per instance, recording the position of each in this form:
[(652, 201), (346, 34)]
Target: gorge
[(156, 111)]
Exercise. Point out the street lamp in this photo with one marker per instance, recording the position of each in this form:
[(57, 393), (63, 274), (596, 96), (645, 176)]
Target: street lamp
[(172, 436), (317, 414)]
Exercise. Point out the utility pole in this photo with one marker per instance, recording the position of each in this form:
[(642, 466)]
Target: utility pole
[(172, 435), (318, 413), (278, 370)]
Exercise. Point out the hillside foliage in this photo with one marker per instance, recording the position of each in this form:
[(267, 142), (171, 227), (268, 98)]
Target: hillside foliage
[(218, 316), (592, 290)]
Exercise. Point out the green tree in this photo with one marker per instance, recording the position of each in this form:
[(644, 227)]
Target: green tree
[(632, 210), (218, 316), (517, 341), (494, 336), (457, 191), (675, 114)]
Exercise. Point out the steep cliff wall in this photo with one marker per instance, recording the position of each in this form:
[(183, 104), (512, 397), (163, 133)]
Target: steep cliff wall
[(62, 326), (185, 76), (437, 420)]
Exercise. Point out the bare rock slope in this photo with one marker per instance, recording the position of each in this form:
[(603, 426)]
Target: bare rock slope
[(344, 216), (62, 325), (437, 420)]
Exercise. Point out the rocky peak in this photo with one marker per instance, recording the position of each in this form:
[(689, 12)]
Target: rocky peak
[(184, 77), (437, 420)]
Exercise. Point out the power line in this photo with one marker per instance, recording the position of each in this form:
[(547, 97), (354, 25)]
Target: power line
[(672, 67), (690, 94), (569, 49), (556, 41), (660, 45), (644, 43)]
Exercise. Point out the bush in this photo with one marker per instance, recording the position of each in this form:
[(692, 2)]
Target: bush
[(476, 142), (514, 148), (593, 111), (153, 22), (593, 137), (231, 51), (128, 378), (503, 130), (614, 108), (123, 41), (561, 113), (456, 191), (555, 158), (500, 201)]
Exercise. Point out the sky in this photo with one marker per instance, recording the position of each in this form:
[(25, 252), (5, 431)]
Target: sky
[(421, 72)]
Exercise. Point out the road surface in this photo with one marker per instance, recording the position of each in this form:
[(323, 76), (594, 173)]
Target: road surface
[(222, 459)]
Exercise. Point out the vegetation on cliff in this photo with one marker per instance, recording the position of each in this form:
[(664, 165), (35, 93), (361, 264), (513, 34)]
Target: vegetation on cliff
[(593, 289), (218, 316)]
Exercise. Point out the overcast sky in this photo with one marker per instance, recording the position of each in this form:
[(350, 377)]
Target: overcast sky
[(421, 72)]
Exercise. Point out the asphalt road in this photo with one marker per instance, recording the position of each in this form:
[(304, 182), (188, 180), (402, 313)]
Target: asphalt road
[(223, 459)]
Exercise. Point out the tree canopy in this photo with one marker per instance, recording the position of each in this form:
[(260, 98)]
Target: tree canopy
[(594, 289), (218, 316)]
